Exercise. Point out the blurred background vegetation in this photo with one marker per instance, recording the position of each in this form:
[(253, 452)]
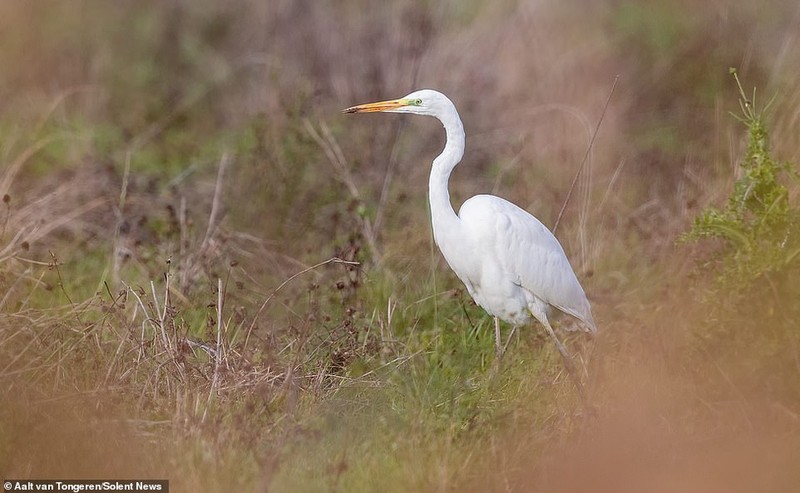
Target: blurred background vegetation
[(208, 274)]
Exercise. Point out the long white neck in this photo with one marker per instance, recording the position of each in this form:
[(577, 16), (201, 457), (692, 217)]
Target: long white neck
[(443, 217)]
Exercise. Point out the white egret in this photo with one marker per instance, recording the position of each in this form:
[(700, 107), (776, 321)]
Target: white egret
[(511, 264)]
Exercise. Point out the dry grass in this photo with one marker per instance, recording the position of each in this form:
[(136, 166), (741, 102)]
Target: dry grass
[(208, 275)]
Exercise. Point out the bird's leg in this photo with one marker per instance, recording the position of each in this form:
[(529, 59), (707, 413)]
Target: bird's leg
[(498, 345), (500, 349), (567, 362), (510, 336)]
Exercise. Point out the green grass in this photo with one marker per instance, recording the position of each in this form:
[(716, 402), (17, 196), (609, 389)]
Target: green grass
[(344, 355)]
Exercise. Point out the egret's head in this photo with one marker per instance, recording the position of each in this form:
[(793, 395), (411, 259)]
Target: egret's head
[(423, 102)]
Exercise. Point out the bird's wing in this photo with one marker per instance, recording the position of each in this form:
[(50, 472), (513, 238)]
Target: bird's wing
[(526, 250)]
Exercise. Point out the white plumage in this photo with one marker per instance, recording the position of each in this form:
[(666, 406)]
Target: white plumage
[(511, 264)]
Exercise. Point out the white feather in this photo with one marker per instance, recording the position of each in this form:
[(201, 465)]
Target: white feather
[(511, 264)]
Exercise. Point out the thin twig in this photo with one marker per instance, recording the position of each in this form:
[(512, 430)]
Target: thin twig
[(161, 314), (57, 102), (54, 265), (147, 319), (335, 155), (224, 161), (611, 184), (123, 194), (218, 352), (333, 260), (184, 260), (585, 156), (16, 165), (336, 159)]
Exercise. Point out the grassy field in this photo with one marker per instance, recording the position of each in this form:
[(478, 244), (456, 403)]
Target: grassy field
[(208, 274)]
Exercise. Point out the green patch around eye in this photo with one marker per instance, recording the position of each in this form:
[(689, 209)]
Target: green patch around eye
[(414, 102)]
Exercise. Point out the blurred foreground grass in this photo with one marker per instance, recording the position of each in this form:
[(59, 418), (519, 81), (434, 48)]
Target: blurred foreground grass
[(208, 275)]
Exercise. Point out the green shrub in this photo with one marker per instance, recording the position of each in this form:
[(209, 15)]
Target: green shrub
[(751, 308), (759, 227)]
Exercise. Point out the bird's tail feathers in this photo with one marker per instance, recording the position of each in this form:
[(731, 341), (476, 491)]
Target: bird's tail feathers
[(578, 324), (579, 321)]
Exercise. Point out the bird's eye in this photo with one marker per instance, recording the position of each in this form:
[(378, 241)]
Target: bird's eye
[(417, 102)]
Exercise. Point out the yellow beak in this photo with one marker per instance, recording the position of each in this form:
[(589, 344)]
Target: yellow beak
[(379, 106)]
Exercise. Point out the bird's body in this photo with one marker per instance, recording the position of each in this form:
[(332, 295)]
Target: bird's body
[(510, 263)]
